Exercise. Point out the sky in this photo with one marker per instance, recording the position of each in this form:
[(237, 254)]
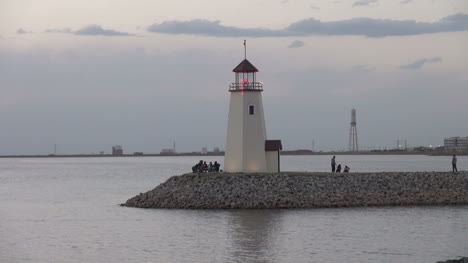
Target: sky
[(86, 75)]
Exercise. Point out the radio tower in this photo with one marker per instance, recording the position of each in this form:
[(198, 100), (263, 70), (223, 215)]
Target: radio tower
[(353, 141)]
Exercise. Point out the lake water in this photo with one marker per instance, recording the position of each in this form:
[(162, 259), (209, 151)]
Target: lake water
[(66, 210)]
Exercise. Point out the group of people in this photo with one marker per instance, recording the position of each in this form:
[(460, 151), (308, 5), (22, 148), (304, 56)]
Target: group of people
[(203, 167), (337, 169)]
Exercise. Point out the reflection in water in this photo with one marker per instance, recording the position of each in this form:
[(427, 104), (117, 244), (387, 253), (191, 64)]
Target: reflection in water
[(252, 234)]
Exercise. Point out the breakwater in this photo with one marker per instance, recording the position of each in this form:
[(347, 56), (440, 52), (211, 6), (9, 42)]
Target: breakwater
[(461, 260), (305, 190)]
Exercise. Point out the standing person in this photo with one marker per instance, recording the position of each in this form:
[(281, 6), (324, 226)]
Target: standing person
[(333, 164), (454, 164)]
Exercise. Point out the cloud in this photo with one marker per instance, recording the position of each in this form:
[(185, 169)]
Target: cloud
[(364, 2), (91, 30), (209, 28), (296, 44), (363, 68), (419, 63), (64, 30), (98, 30), (21, 31), (314, 7), (369, 27), (405, 1)]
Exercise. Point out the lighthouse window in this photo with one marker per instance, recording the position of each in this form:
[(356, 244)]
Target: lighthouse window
[(251, 109)]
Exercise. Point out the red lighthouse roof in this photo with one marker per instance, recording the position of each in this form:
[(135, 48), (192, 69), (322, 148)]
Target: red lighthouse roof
[(245, 66)]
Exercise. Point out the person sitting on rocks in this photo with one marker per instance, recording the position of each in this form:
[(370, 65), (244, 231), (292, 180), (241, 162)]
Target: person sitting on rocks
[(204, 167), (197, 167), (346, 169), (210, 167), (216, 166), (200, 166), (338, 168)]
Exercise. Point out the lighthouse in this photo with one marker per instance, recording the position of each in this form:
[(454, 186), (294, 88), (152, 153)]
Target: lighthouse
[(247, 147)]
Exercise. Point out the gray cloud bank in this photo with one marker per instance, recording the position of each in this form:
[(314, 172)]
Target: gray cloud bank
[(21, 31), (364, 2), (369, 27), (363, 68), (91, 30), (314, 7), (296, 44), (419, 63)]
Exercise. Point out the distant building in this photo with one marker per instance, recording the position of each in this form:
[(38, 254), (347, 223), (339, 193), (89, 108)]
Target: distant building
[(216, 150), (456, 144), (117, 150), (204, 150), (138, 153), (168, 151)]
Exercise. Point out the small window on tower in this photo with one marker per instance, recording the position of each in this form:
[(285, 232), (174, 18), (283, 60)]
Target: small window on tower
[(251, 109)]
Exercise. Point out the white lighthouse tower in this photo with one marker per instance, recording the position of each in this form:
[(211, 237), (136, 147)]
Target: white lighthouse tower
[(247, 149)]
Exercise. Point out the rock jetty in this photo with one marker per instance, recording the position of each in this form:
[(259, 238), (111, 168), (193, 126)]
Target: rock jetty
[(461, 260), (305, 190)]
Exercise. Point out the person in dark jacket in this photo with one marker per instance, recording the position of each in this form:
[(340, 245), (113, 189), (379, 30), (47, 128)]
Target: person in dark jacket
[(454, 164), (333, 164), (216, 166)]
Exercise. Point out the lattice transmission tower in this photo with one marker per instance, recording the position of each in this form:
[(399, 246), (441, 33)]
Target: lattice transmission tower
[(353, 139)]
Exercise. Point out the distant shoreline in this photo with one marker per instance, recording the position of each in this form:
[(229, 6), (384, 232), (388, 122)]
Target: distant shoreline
[(299, 152)]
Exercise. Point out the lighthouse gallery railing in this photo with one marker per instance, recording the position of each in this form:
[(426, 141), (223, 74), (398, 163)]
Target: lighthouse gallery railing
[(239, 86)]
